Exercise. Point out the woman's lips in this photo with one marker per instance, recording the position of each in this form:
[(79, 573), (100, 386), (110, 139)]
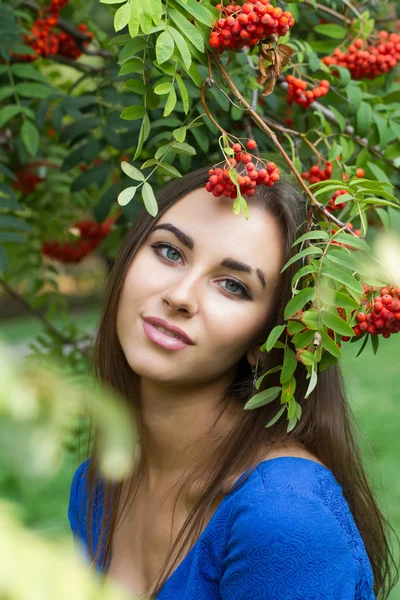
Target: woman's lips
[(162, 339)]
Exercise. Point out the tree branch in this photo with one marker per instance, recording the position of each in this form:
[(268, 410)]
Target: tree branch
[(329, 11), (258, 119), (77, 65), (80, 37), (35, 312)]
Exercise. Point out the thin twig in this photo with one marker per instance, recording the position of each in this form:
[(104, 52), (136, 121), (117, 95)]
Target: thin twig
[(329, 11), (34, 311)]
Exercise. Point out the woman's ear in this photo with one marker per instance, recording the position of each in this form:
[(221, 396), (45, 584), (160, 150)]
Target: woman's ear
[(255, 353)]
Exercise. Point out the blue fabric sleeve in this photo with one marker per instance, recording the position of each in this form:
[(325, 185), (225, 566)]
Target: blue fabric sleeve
[(287, 545), (78, 521)]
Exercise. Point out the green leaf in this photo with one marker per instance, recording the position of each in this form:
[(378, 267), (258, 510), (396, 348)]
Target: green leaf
[(313, 381), (272, 338), (132, 171), (133, 25), (354, 95), (10, 236), (363, 119), (135, 86), (351, 240), (298, 301), (188, 30), (263, 398), (303, 339), (378, 172), (8, 112), (169, 170), (122, 16), (5, 92), (126, 195), (288, 390), (341, 121), (330, 345), (133, 112), (365, 341), (375, 343), (33, 90), (30, 137), (312, 235), (28, 72), (289, 365), (335, 298), (149, 199), (342, 277), (310, 319), (156, 10), (183, 92), (163, 88), (3, 260), (331, 30), (184, 148), (182, 47), (336, 323), (343, 258), (132, 48), (262, 377), (112, 1), (306, 252), (276, 417), (199, 12), (11, 222), (163, 151), (304, 271), (170, 103), (201, 138), (180, 134), (164, 47), (344, 74), (133, 65)]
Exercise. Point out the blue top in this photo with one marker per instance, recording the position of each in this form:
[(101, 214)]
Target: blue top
[(286, 534)]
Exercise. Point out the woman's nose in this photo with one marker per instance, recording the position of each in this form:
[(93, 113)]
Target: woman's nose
[(182, 296)]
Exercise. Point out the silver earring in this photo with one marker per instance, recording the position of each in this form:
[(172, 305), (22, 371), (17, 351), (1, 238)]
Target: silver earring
[(255, 371)]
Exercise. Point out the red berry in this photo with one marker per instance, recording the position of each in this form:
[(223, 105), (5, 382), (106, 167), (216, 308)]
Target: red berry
[(251, 145)]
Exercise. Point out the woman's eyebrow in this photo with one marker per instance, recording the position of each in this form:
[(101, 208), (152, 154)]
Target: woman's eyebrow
[(230, 263)]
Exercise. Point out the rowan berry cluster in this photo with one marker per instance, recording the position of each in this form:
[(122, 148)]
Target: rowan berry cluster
[(315, 174), (384, 318), (247, 24), (27, 179), (91, 234), (297, 91), (368, 61), (45, 41), (220, 183)]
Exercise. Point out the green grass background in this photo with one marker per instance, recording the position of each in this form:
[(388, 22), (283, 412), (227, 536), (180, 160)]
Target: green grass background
[(372, 385)]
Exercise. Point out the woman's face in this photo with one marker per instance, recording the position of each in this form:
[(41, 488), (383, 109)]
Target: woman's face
[(220, 308)]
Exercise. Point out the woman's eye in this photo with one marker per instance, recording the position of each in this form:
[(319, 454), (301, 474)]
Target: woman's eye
[(172, 253), (236, 286)]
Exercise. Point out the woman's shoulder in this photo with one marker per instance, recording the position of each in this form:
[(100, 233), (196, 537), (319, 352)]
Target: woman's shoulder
[(290, 519), (294, 486)]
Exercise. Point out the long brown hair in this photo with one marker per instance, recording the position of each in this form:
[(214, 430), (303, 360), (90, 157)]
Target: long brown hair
[(327, 427)]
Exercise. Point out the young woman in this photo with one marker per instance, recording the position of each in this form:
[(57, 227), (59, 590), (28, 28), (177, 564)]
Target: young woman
[(219, 507)]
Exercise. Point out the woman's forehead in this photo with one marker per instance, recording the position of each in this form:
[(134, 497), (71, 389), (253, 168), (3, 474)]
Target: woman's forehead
[(203, 213), (213, 226)]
